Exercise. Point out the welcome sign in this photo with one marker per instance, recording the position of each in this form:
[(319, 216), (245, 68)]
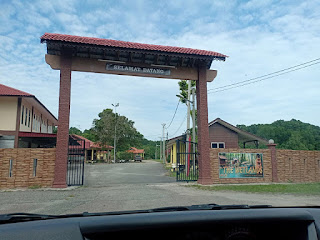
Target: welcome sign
[(135, 69), (241, 165)]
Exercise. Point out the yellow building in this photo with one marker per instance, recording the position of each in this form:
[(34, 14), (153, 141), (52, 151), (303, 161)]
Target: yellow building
[(171, 152), (24, 121)]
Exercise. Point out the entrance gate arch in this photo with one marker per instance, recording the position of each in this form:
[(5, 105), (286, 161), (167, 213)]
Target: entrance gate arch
[(69, 53)]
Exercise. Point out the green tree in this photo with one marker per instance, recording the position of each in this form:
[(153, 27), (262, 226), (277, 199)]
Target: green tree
[(183, 87), (74, 130), (104, 130), (149, 148), (89, 134), (124, 155), (292, 134)]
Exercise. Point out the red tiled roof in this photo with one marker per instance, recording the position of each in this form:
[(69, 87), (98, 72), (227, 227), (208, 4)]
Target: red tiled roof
[(123, 44), (97, 145), (89, 144), (9, 91), (135, 150)]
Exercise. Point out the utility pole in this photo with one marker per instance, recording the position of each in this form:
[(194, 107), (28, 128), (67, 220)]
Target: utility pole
[(115, 131), (160, 145), (188, 125), (194, 127), (163, 143)]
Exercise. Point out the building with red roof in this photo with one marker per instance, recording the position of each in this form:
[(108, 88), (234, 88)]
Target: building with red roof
[(24, 121), (136, 152), (93, 151)]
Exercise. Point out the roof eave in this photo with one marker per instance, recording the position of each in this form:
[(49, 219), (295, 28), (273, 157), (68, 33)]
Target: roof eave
[(208, 58), (45, 108), (236, 129)]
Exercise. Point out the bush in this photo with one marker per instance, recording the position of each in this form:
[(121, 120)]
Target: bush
[(124, 155)]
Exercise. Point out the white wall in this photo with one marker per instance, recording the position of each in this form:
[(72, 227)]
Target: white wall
[(8, 113), (25, 116)]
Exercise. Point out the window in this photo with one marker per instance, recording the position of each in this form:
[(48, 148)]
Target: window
[(26, 117), (221, 145), (22, 114), (34, 122), (29, 119), (217, 145)]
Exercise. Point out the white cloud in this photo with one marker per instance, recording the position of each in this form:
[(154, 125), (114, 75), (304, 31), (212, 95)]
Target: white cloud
[(257, 41)]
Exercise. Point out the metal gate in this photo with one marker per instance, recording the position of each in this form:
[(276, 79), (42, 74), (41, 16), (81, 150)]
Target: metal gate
[(76, 155), (187, 161)]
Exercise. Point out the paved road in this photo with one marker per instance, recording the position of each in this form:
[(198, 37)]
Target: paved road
[(131, 186), (147, 172)]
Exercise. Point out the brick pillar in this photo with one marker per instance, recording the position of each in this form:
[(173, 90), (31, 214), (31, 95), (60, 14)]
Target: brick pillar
[(60, 171), (274, 163), (203, 129)]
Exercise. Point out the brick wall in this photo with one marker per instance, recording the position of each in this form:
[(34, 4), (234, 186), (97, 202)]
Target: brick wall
[(292, 166), (219, 133), (298, 166), (215, 165), (22, 167)]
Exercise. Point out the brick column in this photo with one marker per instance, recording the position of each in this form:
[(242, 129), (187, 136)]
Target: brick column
[(203, 129), (274, 163), (60, 171)]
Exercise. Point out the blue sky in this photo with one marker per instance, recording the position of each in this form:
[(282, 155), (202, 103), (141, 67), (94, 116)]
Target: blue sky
[(259, 36)]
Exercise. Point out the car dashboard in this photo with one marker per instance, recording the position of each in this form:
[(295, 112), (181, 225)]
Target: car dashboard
[(232, 224)]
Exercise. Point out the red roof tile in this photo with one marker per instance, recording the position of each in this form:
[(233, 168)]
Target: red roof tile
[(123, 44), (89, 144), (135, 150), (97, 145), (9, 91)]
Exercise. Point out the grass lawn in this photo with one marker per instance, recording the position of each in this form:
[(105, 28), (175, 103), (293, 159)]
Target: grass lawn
[(291, 188)]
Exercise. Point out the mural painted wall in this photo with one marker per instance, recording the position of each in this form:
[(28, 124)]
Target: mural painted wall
[(241, 165)]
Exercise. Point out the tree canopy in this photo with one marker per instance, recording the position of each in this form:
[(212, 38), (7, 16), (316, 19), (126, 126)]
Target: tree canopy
[(103, 129), (126, 134), (292, 134), (74, 130), (183, 87)]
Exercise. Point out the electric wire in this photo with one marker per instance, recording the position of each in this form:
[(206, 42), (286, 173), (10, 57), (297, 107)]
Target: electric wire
[(247, 82), (185, 118), (174, 114)]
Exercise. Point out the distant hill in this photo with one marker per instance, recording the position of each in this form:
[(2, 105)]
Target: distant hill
[(292, 134)]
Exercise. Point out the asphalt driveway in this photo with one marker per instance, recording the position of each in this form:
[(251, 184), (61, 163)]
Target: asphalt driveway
[(131, 186), (146, 172)]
